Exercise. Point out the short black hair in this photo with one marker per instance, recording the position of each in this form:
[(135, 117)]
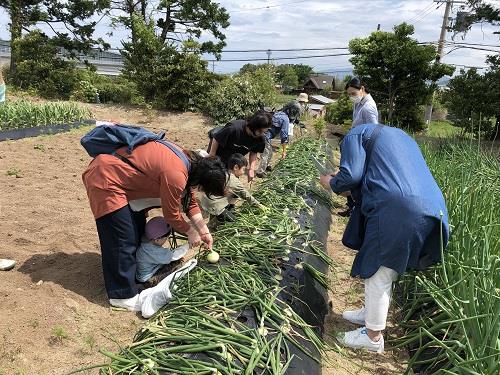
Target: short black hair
[(237, 159), (210, 174), (356, 83), (260, 120)]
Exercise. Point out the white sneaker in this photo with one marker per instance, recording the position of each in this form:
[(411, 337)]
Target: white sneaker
[(359, 339), (7, 264), (355, 316), (132, 304)]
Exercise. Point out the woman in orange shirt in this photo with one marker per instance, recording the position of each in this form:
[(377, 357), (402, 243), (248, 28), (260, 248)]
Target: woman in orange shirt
[(152, 170)]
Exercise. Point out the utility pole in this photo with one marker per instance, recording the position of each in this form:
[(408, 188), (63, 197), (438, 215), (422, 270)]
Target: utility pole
[(268, 56), (442, 39)]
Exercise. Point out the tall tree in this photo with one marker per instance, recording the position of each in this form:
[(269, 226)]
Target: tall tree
[(472, 100), (166, 76), (398, 71), (177, 20), (287, 76), (479, 11), (74, 17)]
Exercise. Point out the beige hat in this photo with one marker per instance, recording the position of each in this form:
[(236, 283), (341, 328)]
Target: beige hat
[(303, 97)]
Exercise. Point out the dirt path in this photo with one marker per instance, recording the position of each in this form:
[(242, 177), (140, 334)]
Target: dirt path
[(54, 315), (347, 294)]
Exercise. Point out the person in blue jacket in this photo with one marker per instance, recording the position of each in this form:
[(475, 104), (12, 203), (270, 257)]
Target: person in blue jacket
[(404, 221), (282, 124)]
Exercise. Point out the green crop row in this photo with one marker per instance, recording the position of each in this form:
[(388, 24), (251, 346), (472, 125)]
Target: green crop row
[(452, 312), (24, 114)]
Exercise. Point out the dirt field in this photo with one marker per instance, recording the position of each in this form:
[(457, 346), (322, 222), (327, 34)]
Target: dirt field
[(54, 314)]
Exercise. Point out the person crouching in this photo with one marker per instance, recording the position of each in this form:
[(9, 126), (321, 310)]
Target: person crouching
[(151, 256)]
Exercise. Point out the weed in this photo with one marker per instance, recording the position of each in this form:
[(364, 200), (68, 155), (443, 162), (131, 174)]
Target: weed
[(90, 341), (13, 171), (59, 334)]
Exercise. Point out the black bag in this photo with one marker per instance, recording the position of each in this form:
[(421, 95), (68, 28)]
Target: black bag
[(354, 233)]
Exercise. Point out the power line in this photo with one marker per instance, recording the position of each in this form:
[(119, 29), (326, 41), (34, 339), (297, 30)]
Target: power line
[(282, 58), (266, 7), (420, 12), (283, 50), (473, 44)]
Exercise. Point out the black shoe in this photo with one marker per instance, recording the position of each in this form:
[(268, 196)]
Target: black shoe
[(345, 213), (226, 216), (261, 174), (163, 272), (230, 207), (269, 168)]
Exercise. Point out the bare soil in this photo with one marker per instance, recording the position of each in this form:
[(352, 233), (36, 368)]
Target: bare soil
[(54, 314)]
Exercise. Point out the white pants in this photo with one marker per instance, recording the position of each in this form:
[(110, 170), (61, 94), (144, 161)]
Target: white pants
[(378, 289)]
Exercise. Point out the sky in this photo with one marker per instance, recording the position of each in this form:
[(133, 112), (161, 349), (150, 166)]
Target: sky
[(294, 24)]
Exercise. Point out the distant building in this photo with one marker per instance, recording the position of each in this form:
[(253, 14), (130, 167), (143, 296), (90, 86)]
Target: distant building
[(317, 105), (317, 83), (106, 62), (320, 99)]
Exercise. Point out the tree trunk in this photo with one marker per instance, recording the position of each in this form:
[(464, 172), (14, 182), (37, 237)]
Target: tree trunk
[(166, 25), (495, 134), (16, 27), (391, 106)]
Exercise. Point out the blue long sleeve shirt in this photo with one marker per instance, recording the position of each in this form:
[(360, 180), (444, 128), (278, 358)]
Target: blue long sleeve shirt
[(280, 126), (403, 207)]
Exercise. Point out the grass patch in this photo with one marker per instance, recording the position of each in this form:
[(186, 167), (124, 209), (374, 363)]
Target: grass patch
[(442, 129)]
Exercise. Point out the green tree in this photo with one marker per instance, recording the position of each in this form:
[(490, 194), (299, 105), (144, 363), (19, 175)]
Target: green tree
[(479, 12), (287, 76), (472, 100), (303, 72), (177, 20), (168, 77), (74, 17), (48, 74), (252, 68), (398, 71)]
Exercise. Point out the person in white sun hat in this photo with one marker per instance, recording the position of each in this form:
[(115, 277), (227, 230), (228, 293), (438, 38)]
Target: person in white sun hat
[(7, 264)]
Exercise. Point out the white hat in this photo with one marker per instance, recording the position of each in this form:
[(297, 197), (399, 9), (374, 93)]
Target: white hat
[(303, 97)]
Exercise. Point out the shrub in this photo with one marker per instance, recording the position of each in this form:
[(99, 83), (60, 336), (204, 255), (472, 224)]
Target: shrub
[(319, 125), (84, 91), (239, 96), (339, 111)]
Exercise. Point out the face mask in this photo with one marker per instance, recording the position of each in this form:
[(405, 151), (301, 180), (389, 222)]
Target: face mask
[(355, 99)]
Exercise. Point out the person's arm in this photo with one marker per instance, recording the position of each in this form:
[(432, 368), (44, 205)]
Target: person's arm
[(172, 184), (213, 147), (202, 229), (352, 164), (220, 140), (235, 186), (252, 162), (285, 127)]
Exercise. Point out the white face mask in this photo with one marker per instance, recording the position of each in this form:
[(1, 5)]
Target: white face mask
[(356, 99)]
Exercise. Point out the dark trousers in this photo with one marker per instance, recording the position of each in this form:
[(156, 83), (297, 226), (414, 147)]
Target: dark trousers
[(120, 234)]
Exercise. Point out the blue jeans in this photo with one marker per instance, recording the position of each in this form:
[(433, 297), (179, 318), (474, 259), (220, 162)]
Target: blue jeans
[(120, 234)]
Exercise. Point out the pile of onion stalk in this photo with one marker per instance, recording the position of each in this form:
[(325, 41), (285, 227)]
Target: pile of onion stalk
[(230, 317)]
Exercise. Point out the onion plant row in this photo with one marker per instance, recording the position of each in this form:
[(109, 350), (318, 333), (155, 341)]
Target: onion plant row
[(451, 313), (232, 318), (24, 114)]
